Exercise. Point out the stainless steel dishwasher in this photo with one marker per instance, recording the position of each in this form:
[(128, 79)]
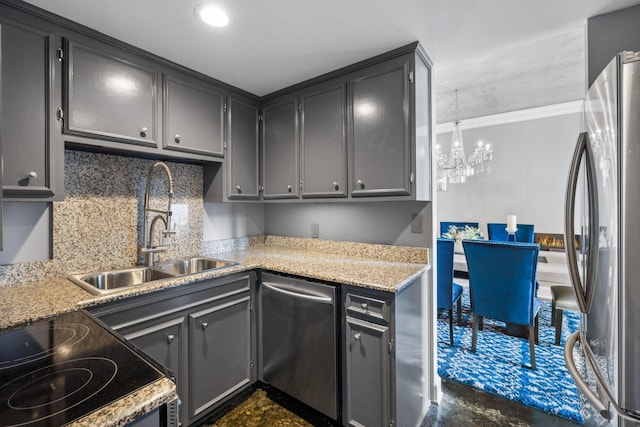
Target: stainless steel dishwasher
[(299, 340)]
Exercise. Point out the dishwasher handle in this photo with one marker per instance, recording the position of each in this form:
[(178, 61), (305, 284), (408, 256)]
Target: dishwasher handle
[(308, 297)]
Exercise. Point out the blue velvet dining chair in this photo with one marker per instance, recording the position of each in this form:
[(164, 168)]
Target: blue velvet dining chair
[(502, 285), (498, 231), (449, 293), (444, 225)]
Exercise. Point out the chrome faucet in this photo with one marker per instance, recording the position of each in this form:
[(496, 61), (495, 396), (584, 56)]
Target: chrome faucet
[(147, 250)]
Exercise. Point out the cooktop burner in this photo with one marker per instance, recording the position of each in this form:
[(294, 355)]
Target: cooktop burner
[(57, 370)]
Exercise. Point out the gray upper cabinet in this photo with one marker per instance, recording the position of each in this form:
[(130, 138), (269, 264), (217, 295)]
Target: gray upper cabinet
[(323, 141), (193, 117), (242, 149), (280, 149), (110, 97), (32, 148), (380, 131)]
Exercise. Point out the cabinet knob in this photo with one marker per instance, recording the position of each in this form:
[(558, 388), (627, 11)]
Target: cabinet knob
[(289, 188), (144, 132), (238, 189), (32, 175), (204, 325), (356, 336), (360, 184), (170, 338), (336, 186), (177, 138), (365, 306)]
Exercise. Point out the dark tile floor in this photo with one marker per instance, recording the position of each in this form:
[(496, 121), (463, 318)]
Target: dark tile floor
[(460, 406)]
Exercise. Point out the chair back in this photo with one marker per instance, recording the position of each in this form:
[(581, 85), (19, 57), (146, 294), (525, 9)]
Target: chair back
[(502, 279), (498, 231), (444, 226), (444, 255)]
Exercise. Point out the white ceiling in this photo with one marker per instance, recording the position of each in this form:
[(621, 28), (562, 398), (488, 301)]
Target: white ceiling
[(276, 43)]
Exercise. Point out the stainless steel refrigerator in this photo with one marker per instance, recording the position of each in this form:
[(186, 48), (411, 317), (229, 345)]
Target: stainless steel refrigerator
[(603, 356)]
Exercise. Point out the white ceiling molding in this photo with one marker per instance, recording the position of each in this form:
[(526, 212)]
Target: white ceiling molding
[(572, 107)]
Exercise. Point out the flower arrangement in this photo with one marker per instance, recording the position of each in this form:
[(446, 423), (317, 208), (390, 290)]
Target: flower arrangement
[(459, 233)]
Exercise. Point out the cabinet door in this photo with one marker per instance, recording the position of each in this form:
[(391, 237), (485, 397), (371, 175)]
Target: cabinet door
[(32, 151), (324, 143), (380, 130), (193, 117), (219, 352), (164, 343), (110, 97), (367, 398), (242, 150), (280, 150)]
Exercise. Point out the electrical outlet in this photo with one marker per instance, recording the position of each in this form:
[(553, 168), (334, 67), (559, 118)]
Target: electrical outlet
[(416, 223), (315, 230)]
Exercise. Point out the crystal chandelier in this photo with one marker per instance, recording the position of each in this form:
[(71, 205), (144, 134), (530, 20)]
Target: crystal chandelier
[(456, 167)]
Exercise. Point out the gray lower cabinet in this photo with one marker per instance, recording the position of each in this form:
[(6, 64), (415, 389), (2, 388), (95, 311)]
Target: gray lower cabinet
[(380, 131), (110, 97), (202, 332), (32, 149), (220, 352), (193, 116), (323, 141), (388, 355), (280, 160), (242, 149), (165, 341), (367, 394)]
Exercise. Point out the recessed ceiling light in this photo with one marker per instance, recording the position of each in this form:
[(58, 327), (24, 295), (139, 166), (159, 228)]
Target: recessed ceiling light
[(212, 15)]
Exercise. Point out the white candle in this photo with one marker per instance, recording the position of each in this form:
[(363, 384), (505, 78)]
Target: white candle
[(511, 224)]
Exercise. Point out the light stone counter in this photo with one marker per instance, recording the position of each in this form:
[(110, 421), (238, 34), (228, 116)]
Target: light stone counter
[(381, 267)]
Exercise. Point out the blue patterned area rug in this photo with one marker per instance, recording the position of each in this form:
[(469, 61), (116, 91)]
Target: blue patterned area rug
[(500, 363)]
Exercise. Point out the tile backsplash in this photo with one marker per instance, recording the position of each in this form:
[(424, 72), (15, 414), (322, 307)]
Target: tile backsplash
[(99, 224)]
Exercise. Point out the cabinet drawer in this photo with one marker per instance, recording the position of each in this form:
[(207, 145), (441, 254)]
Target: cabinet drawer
[(123, 314), (367, 307)]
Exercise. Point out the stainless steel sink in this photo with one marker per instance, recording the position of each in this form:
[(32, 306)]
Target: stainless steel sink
[(106, 282), (183, 267)]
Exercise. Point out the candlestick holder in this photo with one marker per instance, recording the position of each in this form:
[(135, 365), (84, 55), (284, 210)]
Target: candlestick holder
[(511, 235)]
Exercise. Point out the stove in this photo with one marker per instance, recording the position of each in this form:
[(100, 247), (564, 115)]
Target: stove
[(57, 370)]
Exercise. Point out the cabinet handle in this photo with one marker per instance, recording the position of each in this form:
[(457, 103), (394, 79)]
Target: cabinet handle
[(32, 175), (336, 186), (204, 325), (144, 132), (177, 138), (289, 188), (356, 336), (361, 184), (238, 189), (365, 306), (170, 338)]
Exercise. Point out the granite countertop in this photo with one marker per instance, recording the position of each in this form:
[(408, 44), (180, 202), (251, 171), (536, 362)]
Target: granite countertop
[(27, 302), (380, 267)]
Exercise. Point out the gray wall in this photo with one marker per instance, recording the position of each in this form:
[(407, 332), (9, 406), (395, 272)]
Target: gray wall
[(27, 234), (232, 220), (609, 34), (367, 222), (530, 167)]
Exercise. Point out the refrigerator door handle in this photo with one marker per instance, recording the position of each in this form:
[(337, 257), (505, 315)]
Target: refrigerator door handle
[(583, 295), (580, 383)]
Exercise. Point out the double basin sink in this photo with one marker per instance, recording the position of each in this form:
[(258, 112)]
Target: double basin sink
[(106, 282)]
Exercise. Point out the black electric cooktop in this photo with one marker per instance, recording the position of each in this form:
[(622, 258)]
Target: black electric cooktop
[(57, 370)]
